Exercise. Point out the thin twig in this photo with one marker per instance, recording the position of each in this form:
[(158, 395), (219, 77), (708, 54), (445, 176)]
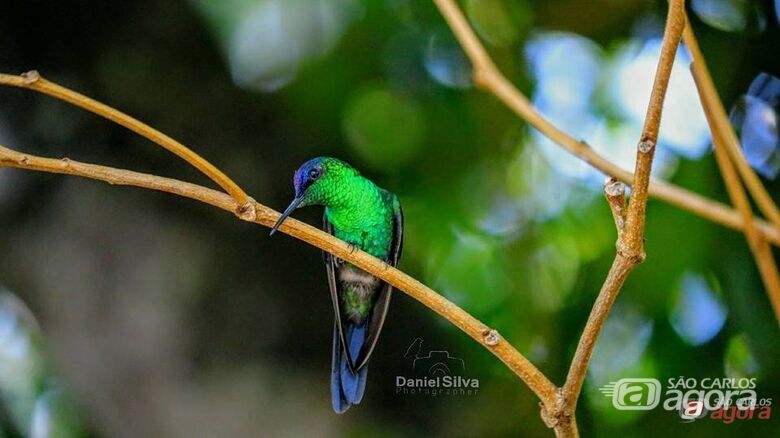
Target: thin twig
[(722, 125), (717, 212), (558, 404), (32, 80), (615, 192), (758, 246), (728, 154), (489, 78), (486, 336), (681, 198), (630, 242)]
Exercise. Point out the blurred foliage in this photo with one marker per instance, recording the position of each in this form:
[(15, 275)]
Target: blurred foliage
[(32, 403), (384, 127), (167, 318)]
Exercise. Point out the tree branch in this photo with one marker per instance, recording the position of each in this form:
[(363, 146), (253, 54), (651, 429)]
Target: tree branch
[(728, 154), (32, 80), (722, 126), (758, 246), (486, 336), (630, 222), (489, 78), (248, 209), (558, 404), (630, 242), (681, 198), (615, 192)]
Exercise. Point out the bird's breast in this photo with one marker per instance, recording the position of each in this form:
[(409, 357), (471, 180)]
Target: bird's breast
[(355, 276), (358, 289)]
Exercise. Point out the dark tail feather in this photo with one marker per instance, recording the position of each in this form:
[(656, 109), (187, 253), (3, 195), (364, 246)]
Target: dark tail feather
[(336, 395), (346, 387), (354, 385)]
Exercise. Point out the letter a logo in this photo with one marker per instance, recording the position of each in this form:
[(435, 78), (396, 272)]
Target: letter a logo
[(634, 394)]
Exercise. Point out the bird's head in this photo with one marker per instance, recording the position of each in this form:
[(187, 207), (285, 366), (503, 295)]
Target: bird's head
[(316, 182)]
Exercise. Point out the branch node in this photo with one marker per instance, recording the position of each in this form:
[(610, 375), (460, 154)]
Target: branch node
[(559, 414), (550, 418), (31, 77), (25, 159), (646, 146), (614, 188), (65, 161), (615, 192), (247, 212), (490, 337), (634, 257)]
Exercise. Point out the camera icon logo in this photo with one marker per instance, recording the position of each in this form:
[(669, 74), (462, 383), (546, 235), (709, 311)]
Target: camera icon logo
[(635, 394), (433, 363)]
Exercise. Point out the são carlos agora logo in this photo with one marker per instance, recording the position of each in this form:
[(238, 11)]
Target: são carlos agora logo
[(724, 399), (633, 394)]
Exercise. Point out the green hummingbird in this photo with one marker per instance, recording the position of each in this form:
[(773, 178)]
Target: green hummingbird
[(368, 217)]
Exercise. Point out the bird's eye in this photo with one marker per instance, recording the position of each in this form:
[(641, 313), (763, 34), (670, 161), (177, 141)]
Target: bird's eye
[(314, 173)]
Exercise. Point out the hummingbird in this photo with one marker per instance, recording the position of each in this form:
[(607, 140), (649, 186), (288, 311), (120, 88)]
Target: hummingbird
[(367, 217)]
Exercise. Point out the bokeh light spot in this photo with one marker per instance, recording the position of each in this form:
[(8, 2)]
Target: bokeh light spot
[(731, 15), (472, 271), (446, 63), (568, 68), (697, 314), (385, 127), (269, 41), (623, 341), (499, 21), (739, 361), (684, 127), (565, 67), (755, 116)]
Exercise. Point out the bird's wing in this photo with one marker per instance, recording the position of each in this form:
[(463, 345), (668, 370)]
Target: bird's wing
[(379, 312), (333, 285)]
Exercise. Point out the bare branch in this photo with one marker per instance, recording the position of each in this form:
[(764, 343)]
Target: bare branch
[(615, 192), (721, 125), (630, 243), (489, 78), (681, 198), (728, 154), (486, 336), (630, 222), (558, 404), (758, 246), (32, 80)]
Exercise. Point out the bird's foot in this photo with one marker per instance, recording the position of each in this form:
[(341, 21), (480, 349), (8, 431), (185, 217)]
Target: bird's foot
[(352, 246)]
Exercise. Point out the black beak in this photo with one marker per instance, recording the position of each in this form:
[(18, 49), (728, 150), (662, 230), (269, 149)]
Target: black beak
[(293, 205)]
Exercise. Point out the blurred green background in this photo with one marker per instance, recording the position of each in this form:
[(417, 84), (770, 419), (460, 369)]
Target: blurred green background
[(132, 313)]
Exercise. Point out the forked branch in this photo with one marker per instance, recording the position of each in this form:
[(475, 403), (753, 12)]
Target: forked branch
[(733, 165), (489, 78), (721, 127), (630, 220), (266, 216), (630, 242), (558, 404), (32, 80)]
